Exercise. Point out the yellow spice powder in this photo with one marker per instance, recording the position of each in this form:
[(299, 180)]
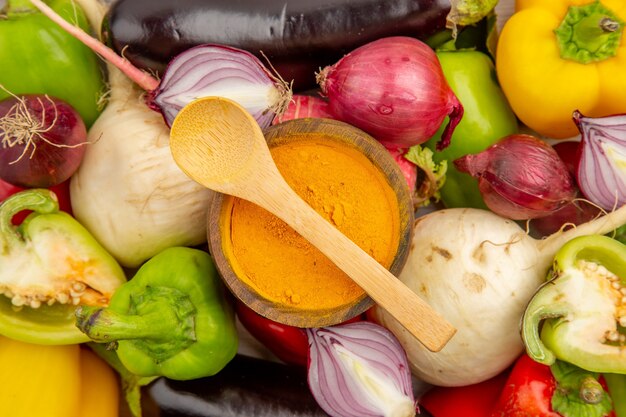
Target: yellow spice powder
[(341, 184)]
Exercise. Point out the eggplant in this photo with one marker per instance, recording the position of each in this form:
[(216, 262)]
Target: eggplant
[(246, 387), (298, 37)]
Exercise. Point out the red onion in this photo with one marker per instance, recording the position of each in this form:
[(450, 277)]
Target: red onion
[(304, 106), (520, 177), (394, 89), (574, 213), (601, 171), (359, 370), (201, 71), (43, 140)]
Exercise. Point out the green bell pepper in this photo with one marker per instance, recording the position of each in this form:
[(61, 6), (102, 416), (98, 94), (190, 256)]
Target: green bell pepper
[(171, 319), (38, 57), (48, 265), (582, 307), (487, 118)]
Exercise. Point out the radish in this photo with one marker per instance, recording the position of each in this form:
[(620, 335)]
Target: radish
[(478, 270)]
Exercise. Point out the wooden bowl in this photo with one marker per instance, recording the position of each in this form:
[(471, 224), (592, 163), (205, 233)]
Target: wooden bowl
[(221, 207)]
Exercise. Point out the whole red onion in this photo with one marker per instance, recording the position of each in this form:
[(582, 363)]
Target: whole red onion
[(43, 140), (520, 177), (394, 89)]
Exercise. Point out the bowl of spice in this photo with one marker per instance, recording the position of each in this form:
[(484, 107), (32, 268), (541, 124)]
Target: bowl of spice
[(353, 182)]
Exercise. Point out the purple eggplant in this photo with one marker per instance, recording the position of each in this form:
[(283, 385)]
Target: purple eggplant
[(298, 37)]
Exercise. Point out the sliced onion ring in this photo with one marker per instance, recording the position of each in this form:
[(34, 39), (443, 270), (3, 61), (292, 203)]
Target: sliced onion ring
[(359, 370), (601, 171)]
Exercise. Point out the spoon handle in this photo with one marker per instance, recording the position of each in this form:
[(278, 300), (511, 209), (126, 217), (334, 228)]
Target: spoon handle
[(432, 330)]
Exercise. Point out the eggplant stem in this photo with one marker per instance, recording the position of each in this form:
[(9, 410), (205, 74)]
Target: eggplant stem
[(143, 79)]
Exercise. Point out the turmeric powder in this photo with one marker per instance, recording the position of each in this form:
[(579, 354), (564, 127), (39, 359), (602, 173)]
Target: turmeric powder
[(342, 185)]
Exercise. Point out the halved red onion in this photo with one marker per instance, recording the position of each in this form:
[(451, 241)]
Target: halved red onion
[(520, 177), (217, 70), (201, 71), (601, 172), (359, 370)]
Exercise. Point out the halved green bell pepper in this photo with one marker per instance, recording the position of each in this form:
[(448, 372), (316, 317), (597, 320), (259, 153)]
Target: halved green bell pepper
[(171, 319), (487, 118), (582, 308), (38, 57), (48, 265)]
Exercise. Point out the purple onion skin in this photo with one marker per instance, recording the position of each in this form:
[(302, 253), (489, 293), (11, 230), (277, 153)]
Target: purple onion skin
[(520, 177), (394, 89), (59, 141)]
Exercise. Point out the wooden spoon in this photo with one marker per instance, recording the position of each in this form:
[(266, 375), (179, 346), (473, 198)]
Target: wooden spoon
[(220, 145)]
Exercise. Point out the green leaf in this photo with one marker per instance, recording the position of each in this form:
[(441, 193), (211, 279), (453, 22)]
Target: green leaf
[(434, 175), (468, 12)]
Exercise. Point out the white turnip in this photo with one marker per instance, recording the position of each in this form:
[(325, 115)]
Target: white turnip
[(479, 271), (128, 192)]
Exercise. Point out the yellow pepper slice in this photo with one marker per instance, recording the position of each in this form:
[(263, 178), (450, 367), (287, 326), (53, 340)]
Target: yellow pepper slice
[(547, 73), (55, 381)]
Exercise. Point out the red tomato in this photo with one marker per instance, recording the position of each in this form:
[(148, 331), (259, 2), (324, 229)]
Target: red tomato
[(475, 400)]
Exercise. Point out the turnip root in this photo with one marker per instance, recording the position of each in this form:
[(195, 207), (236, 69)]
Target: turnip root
[(128, 192), (479, 271)]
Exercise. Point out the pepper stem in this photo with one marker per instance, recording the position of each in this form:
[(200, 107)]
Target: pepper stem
[(589, 33), (159, 320)]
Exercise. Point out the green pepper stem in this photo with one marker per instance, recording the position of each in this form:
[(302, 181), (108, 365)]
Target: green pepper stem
[(105, 325), (38, 200), (159, 321), (591, 392), (578, 392), (589, 33)]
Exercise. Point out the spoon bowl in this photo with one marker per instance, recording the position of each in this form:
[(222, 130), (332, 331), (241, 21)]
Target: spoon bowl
[(218, 155), (218, 144)]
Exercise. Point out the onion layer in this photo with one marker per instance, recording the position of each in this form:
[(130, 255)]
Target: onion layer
[(601, 171), (520, 177), (359, 370), (394, 89)]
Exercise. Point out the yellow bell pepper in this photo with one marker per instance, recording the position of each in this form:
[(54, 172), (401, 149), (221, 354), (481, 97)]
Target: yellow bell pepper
[(557, 56), (55, 381)]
